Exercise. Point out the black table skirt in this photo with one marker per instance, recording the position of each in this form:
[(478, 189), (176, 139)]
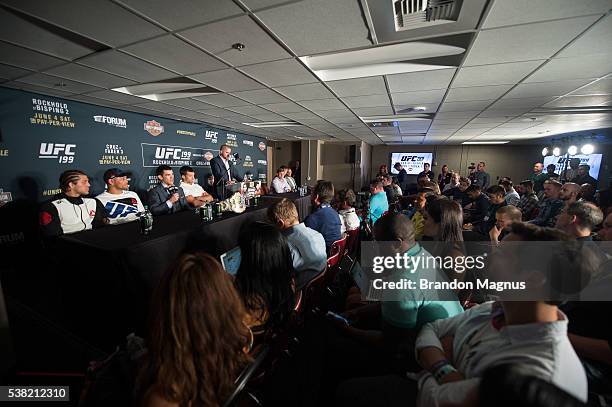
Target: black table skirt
[(302, 203)]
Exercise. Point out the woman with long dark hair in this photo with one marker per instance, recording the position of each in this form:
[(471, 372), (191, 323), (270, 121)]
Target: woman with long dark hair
[(443, 223), (198, 341), (265, 276)]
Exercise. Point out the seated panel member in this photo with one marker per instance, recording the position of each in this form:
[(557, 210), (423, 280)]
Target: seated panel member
[(161, 200), (194, 193), (70, 211), (279, 183), (209, 187), (223, 169), (121, 204)]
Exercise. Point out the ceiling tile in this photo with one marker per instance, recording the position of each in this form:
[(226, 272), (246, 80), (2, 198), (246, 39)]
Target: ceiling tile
[(511, 12), (125, 65), (117, 97), (581, 101), (19, 31), (191, 104), (35, 88), (219, 37), (496, 74), (414, 81), (373, 111), (11, 72), (600, 87), (428, 108), (280, 73), (24, 58), (310, 91), (322, 104), (177, 14), (227, 80), (561, 69), (174, 54), (464, 106), (302, 115), (286, 107), (222, 100), (527, 90), (374, 85), (331, 25), (418, 98), (476, 93), (525, 103), (250, 110), (595, 41), (368, 101), (260, 96), (508, 44), (52, 82), (92, 18), (89, 75), (94, 101)]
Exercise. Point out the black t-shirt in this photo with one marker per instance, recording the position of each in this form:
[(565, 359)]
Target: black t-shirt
[(429, 174)]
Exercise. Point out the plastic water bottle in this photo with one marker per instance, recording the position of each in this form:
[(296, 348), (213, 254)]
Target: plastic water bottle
[(146, 221)]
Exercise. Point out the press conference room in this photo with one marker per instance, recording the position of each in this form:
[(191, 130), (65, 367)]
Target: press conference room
[(306, 202)]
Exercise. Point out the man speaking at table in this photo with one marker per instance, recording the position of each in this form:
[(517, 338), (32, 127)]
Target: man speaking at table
[(223, 170), (166, 197)]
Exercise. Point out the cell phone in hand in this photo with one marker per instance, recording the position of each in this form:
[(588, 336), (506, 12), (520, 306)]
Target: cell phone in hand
[(337, 317)]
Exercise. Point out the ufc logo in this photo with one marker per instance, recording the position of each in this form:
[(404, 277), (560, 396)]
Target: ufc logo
[(65, 152), (168, 152), (412, 158)]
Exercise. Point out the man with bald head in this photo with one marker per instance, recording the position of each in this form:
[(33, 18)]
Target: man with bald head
[(569, 193), (579, 219)]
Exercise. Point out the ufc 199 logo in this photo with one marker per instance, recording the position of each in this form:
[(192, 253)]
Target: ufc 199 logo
[(171, 152), (63, 152)]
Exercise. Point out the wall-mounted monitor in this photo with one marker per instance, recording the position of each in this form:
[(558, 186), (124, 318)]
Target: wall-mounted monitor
[(593, 160), (411, 162)]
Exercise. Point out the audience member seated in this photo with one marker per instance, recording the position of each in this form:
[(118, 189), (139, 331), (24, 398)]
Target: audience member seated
[(290, 179), (551, 206), (165, 197), (345, 202), (587, 192), (453, 182), (427, 172), (397, 190), (378, 201), (418, 217), (550, 172), (579, 220), (479, 206), (71, 211), (458, 193), (307, 246), (496, 194), (194, 193), (512, 197), (605, 233), (121, 204), (431, 186), (583, 176), (569, 193), (504, 218), (442, 222), (324, 219), (456, 351), (265, 278), (198, 342), (279, 183), (529, 201)]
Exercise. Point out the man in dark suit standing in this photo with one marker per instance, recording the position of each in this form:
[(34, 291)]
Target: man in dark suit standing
[(223, 169), (166, 197)]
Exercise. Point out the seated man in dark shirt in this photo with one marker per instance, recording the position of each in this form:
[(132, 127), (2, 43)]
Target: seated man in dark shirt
[(324, 219), (458, 193), (426, 171), (584, 177), (479, 206), (496, 195)]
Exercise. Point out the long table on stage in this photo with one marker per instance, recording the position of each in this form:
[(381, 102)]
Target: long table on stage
[(116, 268)]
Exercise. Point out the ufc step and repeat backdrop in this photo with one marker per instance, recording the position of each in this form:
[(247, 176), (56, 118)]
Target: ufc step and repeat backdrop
[(41, 136)]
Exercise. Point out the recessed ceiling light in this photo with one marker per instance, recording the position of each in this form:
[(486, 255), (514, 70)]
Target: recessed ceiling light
[(486, 142), (273, 124)]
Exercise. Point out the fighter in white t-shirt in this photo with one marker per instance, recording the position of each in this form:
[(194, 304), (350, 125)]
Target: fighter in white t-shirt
[(121, 204), (194, 193)]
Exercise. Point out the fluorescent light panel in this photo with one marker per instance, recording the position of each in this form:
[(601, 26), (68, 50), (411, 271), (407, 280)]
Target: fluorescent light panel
[(384, 60), (486, 142), (273, 124)]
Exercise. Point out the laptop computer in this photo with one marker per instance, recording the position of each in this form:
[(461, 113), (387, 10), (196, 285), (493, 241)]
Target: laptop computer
[(368, 292), (230, 260)]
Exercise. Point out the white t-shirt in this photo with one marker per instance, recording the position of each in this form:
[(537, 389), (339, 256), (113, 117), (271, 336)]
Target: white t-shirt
[(194, 189), (121, 208)]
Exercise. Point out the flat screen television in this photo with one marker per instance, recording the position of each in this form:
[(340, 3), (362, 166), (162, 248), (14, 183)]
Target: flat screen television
[(411, 162), (593, 160)]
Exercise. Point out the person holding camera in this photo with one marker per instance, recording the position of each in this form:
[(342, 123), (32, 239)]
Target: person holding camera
[(166, 197)]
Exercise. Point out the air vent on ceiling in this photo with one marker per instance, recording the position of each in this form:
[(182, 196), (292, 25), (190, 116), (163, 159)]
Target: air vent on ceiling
[(411, 14)]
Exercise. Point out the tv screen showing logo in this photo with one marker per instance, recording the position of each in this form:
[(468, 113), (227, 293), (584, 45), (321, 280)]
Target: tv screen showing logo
[(413, 163), (592, 160)]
